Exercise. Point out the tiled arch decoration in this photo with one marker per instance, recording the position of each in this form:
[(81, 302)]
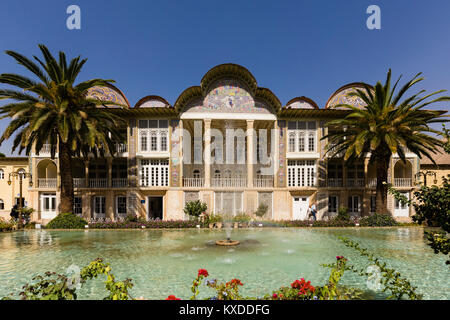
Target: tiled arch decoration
[(106, 94)]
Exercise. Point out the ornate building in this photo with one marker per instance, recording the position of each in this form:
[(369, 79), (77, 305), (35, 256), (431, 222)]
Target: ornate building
[(273, 155)]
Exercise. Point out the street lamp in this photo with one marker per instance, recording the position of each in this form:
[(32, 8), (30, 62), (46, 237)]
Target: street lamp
[(21, 175), (424, 174)]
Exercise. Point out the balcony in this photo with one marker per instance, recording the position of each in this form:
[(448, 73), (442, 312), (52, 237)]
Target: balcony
[(121, 148), (402, 182), (372, 183), (98, 183), (79, 182), (334, 183), (193, 182), (47, 182), (229, 182), (119, 182), (263, 182), (355, 183)]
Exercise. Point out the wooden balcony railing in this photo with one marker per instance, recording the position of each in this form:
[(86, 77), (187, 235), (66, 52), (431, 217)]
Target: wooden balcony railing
[(193, 182), (402, 182), (229, 182), (355, 183), (334, 183), (79, 182), (263, 182), (119, 182), (47, 182), (372, 183), (98, 183)]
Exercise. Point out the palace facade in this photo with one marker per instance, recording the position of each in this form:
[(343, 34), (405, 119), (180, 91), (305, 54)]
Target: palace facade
[(275, 156)]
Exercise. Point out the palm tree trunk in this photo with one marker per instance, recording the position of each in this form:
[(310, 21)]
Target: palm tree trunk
[(382, 175), (65, 169)]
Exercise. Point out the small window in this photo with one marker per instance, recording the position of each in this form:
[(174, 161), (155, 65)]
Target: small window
[(163, 124), (311, 142), (122, 205), (99, 206), (77, 206), (292, 142), (301, 142), (333, 204), (2, 205), (17, 202), (2, 174), (373, 204), (353, 204), (153, 124), (163, 141)]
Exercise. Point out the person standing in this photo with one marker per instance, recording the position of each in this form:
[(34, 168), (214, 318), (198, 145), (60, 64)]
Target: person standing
[(313, 211)]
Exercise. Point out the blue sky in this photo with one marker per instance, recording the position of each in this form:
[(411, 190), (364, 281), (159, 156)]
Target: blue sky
[(295, 48)]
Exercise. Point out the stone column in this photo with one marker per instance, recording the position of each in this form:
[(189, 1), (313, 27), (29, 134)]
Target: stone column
[(250, 148), (109, 168), (275, 155), (344, 174), (86, 173), (180, 155), (207, 157)]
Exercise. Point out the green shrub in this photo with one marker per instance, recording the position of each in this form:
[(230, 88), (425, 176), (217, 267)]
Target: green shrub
[(66, 221), (242, 218), (378, 220), (262, 210), (5, 225), (195, 208), (134, 218), (343, 214), (214, 218)]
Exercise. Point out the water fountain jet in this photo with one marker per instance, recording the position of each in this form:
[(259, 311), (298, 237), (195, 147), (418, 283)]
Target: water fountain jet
[(227, 219)]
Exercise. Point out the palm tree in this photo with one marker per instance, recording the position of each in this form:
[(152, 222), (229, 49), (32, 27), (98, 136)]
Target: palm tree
[(386, 126), (53, 109)]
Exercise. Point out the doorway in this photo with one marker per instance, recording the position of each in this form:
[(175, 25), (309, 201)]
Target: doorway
[(401, 210), (300, 207), (48, 205), (155, 208)]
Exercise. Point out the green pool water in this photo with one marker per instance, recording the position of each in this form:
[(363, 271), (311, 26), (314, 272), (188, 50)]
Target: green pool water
[(163, 262)]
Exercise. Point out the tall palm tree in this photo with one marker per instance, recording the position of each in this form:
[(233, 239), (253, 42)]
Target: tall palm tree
[(53, 109), (388, 124)]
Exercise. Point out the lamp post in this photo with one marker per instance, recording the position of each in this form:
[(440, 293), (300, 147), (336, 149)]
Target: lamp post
[(424, 174), (21, 175)]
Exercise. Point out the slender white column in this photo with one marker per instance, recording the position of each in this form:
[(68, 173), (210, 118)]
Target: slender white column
[(250, 148), (207, 158)]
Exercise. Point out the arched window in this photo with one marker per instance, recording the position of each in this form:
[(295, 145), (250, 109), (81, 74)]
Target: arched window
[(196, 174), (2, 204), (217, 174), (2, 174), (292, 142), (21, 172)]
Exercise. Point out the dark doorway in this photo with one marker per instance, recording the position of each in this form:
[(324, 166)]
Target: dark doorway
[(155, 207)]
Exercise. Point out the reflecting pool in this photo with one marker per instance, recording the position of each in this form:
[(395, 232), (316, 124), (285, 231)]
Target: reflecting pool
[(163, 262)]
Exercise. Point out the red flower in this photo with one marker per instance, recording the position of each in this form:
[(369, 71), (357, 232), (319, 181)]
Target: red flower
[(234, 282), (172, 297), (203, 272), (340, 258), (275, 296), (302, 286)]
